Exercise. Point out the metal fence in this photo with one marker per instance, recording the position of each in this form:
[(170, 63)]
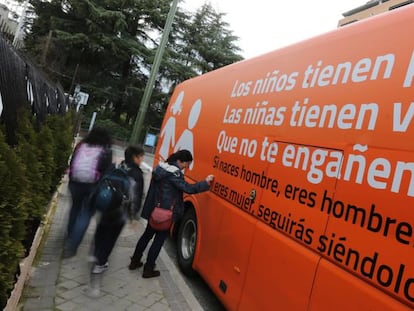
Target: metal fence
[(23, 85)]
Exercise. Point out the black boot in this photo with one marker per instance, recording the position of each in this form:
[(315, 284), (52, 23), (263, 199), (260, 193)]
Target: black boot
[(135, 263), (149, 272)]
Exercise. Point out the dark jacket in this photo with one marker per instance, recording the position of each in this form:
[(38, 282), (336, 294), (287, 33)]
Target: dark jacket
[(169, 179), (135, 172)]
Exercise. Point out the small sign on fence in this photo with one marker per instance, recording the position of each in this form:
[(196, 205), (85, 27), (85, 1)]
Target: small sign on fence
[(81, 98)]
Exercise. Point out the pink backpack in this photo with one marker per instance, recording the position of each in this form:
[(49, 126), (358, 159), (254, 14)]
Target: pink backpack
[(84, 166)]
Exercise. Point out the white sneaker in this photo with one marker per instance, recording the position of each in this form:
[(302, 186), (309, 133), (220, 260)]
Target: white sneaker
[(97, 269)]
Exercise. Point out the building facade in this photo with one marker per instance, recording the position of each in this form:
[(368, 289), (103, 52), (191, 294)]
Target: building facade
[(371, 8), (8, 22)]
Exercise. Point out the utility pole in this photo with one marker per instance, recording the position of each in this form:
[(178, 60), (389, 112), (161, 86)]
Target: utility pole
[(46, 48), (137, 130), (72, 84)]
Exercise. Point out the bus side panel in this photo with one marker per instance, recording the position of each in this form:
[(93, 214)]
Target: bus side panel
[(222, 256), (336, 289), (279, 278), (208, 233), (209, 213), (281, 255), (371, 233), (208, 206), (227, 274), (339, 91)]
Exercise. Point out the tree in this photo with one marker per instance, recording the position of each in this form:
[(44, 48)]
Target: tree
[(14, 196), (62, 128), (198, 44), (27, 171), (212, 44), (108, 47), (105, 40), (29, 153)]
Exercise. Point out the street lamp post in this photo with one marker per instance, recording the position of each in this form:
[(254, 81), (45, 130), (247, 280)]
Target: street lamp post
[(137, 129)]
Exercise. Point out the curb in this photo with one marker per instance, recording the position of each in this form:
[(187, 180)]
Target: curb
[(179, 280)]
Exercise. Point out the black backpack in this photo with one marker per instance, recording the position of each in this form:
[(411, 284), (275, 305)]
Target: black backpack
[(111, 196)]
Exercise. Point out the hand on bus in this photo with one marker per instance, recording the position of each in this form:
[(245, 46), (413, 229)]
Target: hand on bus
[(209, 178)]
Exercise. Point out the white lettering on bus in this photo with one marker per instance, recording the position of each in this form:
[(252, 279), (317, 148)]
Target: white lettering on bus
[(400, 123), (328, 116), (408, 81), (379, 173), (344, 72)]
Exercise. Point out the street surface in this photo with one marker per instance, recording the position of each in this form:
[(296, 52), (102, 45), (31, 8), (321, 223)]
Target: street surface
[(200, 289)]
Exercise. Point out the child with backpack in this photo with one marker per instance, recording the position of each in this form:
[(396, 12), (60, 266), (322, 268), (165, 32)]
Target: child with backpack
[(90, 160), (114, 217)]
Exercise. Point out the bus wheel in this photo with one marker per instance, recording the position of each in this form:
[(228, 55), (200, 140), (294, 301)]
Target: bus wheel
[(186, 242)]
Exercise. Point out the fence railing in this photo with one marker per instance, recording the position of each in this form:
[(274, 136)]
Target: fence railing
[(24, 85)]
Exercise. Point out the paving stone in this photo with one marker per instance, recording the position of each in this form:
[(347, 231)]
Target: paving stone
[(67, 306), (137, 308), (121, 304), (65, 285), (59, 284)]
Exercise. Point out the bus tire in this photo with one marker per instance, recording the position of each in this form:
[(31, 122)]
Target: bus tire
[(186, 242)]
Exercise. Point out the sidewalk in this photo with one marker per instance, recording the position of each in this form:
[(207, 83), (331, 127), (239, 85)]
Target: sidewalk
[(66, 284)]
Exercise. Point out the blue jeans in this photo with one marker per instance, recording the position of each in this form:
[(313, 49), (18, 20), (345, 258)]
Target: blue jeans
[(155, 248), (80, 214)]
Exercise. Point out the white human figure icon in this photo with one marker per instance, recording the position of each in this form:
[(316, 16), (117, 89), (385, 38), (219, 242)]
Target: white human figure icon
[(186, 140), (168, 132)]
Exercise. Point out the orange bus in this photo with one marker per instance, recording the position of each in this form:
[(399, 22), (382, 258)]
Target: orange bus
[(312, 148)]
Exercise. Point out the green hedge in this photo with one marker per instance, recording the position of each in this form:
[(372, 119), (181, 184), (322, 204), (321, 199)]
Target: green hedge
[(30, 173), (117, 131)]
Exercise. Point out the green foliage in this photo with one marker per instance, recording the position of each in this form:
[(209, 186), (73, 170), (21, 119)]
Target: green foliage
[(198, 44), (204, 44), (117, 131), (215, 44), (29, 153), (45, 147), (13, 210), (62, 134), (108, 47), (29, 173)]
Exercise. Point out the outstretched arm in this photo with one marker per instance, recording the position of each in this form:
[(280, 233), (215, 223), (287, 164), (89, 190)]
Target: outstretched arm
[(197, 187)]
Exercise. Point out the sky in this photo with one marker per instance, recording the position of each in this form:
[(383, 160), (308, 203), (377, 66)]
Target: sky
[(266, 25)]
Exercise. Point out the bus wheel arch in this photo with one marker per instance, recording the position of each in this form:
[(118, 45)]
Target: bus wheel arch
[(186, 241)]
